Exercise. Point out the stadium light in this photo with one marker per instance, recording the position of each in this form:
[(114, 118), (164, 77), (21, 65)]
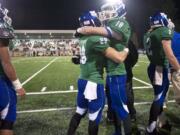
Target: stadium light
[(113, 1)]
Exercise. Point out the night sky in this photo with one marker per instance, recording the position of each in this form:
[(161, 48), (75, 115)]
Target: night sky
[(63, 14), (48, 14)]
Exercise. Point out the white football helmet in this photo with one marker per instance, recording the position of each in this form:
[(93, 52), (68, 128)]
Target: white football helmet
[(112, 10)]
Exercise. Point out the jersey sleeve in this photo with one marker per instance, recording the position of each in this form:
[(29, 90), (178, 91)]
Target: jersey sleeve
[(120, 27), (100, 44), (166, 33)]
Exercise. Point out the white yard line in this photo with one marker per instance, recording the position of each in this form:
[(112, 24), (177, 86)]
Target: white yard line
[(30, 78), (74, 91), (70, 108), (142, 87), (141, 81), (43, 89), (71, 91), (51, 92), (136, 65), (143, 62), (46, 110)]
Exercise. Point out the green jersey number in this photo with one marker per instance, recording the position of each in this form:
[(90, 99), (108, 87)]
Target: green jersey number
[(83, 55), (148, 47), (119, 24)]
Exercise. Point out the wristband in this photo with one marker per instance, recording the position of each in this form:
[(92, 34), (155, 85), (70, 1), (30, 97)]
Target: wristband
[(109, 32), (126, 50), (17, 84)]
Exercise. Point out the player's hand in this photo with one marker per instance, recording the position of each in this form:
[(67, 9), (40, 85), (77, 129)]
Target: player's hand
[(21, 92), (176, 76), (76, 59), (77, 34), (84, 30)]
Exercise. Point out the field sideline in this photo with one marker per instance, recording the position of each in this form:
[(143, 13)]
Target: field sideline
[(50, 101)]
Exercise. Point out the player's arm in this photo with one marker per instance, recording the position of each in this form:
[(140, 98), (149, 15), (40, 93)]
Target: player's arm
[(116, 56), (8, 67), (170, 55), (102, 31), (102, 45)]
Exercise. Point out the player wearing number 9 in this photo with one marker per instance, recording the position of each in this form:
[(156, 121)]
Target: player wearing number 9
[(157, 42), (116, 28), (93, 52)]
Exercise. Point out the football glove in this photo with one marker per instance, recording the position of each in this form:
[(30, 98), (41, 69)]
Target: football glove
[(76, 59)]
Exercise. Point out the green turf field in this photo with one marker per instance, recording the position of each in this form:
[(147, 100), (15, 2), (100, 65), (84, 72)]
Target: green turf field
[(50, 103)]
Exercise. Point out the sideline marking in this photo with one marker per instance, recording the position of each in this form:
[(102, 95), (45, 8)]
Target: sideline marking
[(141, 81), (70, 108), (30, 78), (143, 62), (72, 91), (43, 89)]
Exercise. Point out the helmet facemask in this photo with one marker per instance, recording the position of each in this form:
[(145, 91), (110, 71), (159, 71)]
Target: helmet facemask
[(108, 11), (112, 10)]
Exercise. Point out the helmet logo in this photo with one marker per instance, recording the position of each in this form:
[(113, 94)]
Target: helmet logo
[(156, 22)]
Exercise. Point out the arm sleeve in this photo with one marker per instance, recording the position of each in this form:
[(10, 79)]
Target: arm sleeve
[(166, 34), (120, 28), (113, 34)]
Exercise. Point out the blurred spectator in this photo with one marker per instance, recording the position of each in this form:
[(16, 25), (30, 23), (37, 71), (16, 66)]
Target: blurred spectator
[(45, 47)]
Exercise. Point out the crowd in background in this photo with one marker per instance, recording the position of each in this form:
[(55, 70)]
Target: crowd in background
[(45, 47)]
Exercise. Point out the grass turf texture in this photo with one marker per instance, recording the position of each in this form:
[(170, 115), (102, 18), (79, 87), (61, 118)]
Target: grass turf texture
[(59, 76)]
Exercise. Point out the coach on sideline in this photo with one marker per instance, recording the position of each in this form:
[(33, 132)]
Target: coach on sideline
[(9, 83)]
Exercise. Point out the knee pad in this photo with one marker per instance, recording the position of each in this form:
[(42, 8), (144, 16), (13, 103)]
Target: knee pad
[(96, 116), (6, 125), (122, 111), (81, 111), (93, 128), (160, 98)]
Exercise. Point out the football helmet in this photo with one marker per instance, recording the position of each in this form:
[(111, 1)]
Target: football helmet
[(89, 18), (112, 10), (6, 29), (159, 19)]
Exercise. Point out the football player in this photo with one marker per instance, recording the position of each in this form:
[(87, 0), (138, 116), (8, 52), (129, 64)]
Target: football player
[(93, 50), (9, 83), (176, 50), (118, 29), (157, 42)]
